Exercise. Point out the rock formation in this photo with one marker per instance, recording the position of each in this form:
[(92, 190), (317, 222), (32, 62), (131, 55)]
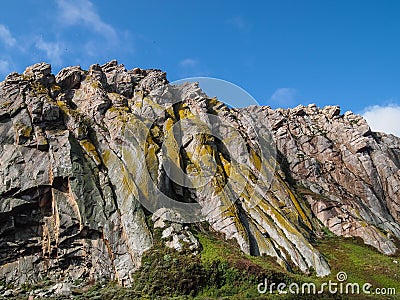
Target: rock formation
[(87, 158)]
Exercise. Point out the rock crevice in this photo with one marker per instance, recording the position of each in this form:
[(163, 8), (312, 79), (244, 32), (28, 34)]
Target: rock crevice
[(84, 156)]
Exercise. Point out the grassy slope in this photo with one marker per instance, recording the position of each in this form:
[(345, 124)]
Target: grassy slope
[(362, 263), (221, 271)]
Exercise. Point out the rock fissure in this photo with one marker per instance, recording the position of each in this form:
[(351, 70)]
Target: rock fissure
[(83, 165)]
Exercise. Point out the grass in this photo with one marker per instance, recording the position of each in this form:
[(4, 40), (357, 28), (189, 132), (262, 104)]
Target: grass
[(232, 273), (222, 271), (362, 263)]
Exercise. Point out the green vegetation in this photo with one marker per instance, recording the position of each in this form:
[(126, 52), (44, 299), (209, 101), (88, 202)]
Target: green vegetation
[(222, 271), (362, 263)]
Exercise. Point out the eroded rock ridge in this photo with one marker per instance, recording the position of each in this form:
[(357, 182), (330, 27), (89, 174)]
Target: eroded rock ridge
[(75, 201)]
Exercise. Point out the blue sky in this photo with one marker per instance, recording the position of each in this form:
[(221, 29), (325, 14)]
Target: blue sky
[(283, 53)]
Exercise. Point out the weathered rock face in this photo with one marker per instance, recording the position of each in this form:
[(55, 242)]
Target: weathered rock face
[(348, 174), (86, 155)]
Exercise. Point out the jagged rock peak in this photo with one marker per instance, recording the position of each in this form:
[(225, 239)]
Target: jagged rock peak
[(87, 156)]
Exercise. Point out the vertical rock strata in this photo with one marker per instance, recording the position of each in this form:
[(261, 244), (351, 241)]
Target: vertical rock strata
[(82, 162), (348, 174)]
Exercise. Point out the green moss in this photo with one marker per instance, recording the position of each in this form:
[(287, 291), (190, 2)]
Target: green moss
[(232, 273), (45, 283), (327, 232)]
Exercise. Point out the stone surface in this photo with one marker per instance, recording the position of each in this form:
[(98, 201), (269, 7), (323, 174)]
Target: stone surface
[(348, 174), (82, 160), (175, 235)]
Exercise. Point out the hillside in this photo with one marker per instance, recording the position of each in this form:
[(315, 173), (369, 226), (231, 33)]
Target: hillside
[(107, 170)]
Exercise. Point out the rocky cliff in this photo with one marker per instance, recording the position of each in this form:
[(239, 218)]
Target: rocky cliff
[(92, 161)]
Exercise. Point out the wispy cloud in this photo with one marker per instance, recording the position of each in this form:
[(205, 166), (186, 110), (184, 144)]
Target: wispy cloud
[(4, 67), (57, 34), (283, 97), (192, 67), (383, 118), (6, 36), (188, 63), (74, 12), (53, 50)]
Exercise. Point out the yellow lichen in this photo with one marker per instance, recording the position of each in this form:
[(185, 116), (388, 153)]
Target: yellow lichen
[(90, 149), (25, 131), (168, 124), (156, 132), (106, 156), (55, 88), (95, 84), (255, 159), (38, 88), (225, 164), (296, 205), (5, 105), (184, 111)]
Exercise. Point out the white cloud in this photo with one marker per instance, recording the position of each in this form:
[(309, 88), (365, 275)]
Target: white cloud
[(192, 67), (383, 118), (53, 50), (283, 96), (83, 12), (4, 67), (188, 63), (6, 36)]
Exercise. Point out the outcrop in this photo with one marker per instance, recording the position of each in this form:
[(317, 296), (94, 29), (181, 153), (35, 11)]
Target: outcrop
[(92, 161)]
